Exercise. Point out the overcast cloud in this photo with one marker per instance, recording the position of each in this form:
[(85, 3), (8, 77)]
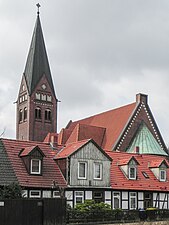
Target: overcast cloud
[(101, 52)]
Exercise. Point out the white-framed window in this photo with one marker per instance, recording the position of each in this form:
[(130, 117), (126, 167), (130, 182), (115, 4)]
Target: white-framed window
[(133, 200), (132, 172), (43, 96), (56, 194), (35, 166), (37, 96), (82, 170), (162, 175), (49, 98), (116, 200), (98, 171), (35, 194), (79, 197)]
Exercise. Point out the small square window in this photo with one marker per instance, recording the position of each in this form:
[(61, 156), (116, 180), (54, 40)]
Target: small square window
[(56, 194), (35, 194), (35, 166)]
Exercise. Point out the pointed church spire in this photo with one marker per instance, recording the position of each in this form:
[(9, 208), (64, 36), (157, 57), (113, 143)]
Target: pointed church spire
[(37, 103), (37, 63)]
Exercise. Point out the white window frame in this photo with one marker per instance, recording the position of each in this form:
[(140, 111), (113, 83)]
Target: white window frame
[(56, 194), (79, 194), (100, 170), (85, 167), (165, 175), (36, 172), (135, 199), (35, 196), (135, 172), (37, 96), (116, 195)]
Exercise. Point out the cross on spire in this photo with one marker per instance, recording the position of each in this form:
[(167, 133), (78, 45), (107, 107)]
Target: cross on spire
[(38, 6)]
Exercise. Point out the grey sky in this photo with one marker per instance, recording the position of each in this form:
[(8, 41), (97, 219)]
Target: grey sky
[(101, 54)]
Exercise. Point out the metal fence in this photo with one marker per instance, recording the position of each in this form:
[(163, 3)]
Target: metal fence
[(113, 216), (32, 211)]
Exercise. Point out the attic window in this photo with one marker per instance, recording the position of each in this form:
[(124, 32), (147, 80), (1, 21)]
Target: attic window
[(35, 166), (132, 172), (145, 175), (162, 175)]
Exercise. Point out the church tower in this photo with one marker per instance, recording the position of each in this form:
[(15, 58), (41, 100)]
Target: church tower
[(37, 102)]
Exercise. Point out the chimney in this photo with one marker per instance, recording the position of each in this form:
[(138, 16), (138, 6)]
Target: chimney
[(141, 98), (53, 140), (137, 150)]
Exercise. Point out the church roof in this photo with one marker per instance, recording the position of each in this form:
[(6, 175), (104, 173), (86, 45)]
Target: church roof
[(37, 63), (146, 142), (108, 125)]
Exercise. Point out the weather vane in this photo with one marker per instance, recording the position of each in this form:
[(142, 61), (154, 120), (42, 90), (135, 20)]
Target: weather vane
[(38, 6)]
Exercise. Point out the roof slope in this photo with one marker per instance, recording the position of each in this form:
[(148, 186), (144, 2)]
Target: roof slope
[(146, 142), (120, 182), (7, 174), (37, 63), (51, 171), (113, 121)]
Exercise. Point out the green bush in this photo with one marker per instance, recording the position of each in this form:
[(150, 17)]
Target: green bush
[(11, 191)]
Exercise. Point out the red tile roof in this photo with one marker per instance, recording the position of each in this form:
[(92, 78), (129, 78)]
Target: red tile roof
[(83, 131), (50, 171), (120, 182), (156, 163), (26, 151), (70, 149), (112, 123)]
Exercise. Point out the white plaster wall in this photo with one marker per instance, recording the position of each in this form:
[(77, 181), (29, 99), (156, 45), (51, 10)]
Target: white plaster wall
[(125, 205), (108, 195), (124, 195), (140, 196), (88, 195), (69, 195), (46, 194)]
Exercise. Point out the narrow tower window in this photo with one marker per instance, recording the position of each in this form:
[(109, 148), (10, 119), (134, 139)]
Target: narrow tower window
[(48, 114), (20, 115), (38, 113), (25, 114)]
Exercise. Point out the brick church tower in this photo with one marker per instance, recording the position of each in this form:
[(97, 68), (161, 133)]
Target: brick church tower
[(37, 102)]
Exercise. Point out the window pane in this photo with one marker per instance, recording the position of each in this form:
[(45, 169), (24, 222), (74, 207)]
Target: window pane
[(116, 199), (133, 200), (82, 170), (79, 197), (97, 171), (132, 173), (35, 166)]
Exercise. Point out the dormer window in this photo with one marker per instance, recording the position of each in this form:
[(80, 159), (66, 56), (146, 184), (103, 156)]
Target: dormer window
[(129, 167), (32, 157), (35, 166), (159, 168), (162, 175), (132, 172)]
